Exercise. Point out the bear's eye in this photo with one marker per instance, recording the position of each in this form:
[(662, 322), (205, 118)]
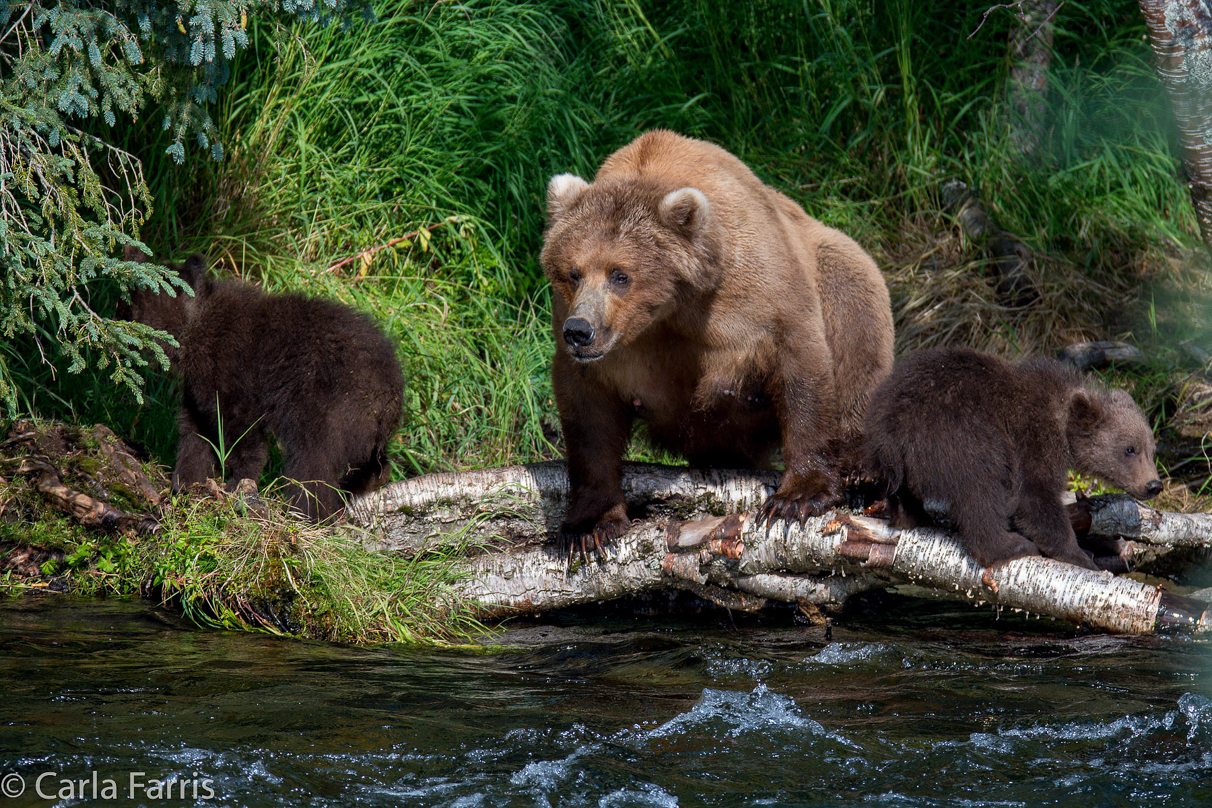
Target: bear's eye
[(1130, 451), (619, 278), (574, 276)]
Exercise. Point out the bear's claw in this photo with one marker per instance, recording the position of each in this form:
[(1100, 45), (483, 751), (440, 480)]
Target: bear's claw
[(794, 508), (597, 540)]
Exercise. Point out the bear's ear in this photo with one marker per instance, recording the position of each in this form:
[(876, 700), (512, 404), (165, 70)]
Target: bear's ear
[(562, 192), (684, 211), (1084, 411), (193, 272), (132, 253)]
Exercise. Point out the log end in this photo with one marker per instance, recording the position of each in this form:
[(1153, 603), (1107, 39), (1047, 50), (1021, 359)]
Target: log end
[(1180, 614)]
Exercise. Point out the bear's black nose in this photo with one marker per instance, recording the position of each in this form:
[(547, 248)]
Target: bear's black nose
[(578, 332), (1152, 489)]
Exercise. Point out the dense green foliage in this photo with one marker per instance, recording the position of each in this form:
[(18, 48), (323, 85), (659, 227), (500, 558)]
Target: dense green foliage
[(442, 123), (400, 166), (69, 198)]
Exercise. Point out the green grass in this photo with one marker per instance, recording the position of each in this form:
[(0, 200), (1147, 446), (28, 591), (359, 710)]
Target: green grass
[(448, 119), (224, 561)]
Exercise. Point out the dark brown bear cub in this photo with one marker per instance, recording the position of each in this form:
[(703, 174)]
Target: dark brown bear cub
[(317, 375), (695, 298), (989, 443)]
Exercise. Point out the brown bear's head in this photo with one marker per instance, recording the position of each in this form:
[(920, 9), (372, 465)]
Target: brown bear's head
[(165, 311), (622, 256), (1110, 438)]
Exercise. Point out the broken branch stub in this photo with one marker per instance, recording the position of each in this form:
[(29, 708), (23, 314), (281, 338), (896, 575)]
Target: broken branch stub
[(1121, 516)]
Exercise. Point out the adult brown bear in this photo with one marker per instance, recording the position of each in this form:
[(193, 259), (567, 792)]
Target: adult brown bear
[(690, 295), (989, 443), (317, 375)]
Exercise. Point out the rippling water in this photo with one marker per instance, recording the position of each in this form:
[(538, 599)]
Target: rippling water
[(933, 705)]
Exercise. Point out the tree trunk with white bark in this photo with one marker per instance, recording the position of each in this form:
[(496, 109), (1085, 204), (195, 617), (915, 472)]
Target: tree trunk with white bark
[(1181, 34), (694, 532)]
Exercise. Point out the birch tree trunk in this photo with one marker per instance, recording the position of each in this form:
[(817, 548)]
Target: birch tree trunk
[(696, 533), (1179, 31)]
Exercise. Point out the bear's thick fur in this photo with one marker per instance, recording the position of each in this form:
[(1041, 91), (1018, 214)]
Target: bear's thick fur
[(317, 375), (692, 296), (989, 442)]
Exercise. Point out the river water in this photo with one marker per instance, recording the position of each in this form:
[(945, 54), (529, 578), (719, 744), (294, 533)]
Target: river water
[(912, 704)]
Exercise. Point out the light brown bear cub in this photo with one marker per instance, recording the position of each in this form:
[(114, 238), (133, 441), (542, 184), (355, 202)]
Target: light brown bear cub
[(690, 295), (989, 443), (318, 376)]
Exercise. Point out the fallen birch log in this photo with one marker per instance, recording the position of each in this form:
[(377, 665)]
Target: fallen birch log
[(695, 534), (934, 558)]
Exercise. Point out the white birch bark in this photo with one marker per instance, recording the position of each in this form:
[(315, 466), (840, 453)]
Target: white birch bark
[(1181, 34), (686, 541)]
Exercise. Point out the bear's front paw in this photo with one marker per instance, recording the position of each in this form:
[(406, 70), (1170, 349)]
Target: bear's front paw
[(797, 503), (595, 538)]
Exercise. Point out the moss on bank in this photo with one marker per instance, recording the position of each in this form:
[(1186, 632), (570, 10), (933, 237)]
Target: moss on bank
[(229, 560)]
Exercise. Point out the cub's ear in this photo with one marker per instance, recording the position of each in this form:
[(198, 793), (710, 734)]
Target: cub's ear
[(684, 211), (132, 253), (193, 272), (562, 192), (1084, 411)]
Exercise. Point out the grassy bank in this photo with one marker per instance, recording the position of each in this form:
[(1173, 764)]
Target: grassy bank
[(438, 126), (225, 560)]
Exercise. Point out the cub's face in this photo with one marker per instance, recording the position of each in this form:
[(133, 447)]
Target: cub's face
[(1117, 445), (161, 310), (619, 257)]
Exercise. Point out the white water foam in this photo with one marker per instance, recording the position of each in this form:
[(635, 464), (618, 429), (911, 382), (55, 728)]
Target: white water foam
[(757, 711), (1193, 710), (848, 653), (651, 796)]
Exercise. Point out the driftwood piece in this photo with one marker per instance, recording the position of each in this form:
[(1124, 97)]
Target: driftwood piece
[(47, 454), (525, 504), (934, 558), (1012, 259), (696, 534), (92, 513), (1087, 355)]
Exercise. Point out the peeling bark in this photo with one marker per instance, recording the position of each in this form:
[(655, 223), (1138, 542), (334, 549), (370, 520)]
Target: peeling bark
[(1181, 34), (696, 534)]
